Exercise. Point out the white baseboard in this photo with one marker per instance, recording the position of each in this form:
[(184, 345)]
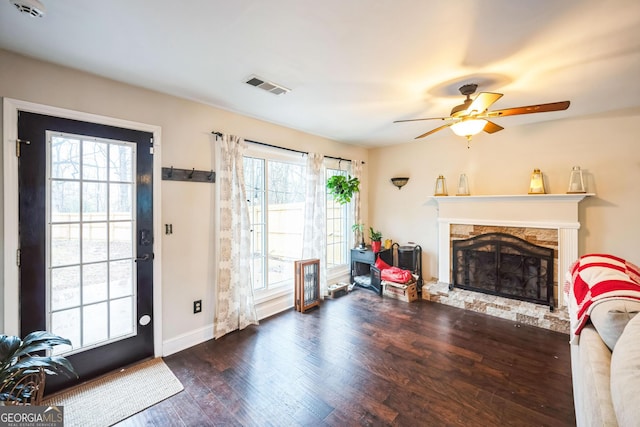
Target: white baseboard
[(184, 341), (274, 306), (263, 310), (338, 278), (198, 336)]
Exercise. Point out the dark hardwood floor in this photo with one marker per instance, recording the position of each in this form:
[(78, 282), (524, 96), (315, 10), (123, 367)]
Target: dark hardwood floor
[(366, 360)]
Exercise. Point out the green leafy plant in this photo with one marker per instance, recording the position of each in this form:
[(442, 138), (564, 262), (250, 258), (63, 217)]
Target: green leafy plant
[(19, 359), (375, 236), (342, 187), (359, 228)]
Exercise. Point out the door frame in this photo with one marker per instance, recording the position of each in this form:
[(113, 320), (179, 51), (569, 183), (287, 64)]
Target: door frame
[(10, 206)]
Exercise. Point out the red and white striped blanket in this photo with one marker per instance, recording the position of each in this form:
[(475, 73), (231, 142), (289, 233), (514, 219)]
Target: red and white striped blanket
[(595, 278)]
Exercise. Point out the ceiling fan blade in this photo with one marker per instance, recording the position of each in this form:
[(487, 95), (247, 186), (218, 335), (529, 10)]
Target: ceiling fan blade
[(483, 101), (540, 108), (417, 120), (491, 127), (434, 130)]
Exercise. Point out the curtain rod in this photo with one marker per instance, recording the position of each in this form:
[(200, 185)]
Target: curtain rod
[(340, 159)]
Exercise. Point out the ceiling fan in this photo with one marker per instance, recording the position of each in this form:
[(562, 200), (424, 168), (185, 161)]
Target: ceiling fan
[(471, 117)]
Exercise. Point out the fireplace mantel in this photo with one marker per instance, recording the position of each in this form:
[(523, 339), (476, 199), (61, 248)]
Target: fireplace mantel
[(555, 211), (577, 197)]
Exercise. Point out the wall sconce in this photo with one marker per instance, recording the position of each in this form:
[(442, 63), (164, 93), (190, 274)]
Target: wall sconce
[(441, 187), (576, 183), (399, 182), (463, 186), (537, 183)]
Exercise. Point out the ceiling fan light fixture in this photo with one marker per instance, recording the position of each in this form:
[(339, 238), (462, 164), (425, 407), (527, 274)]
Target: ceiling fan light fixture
[(468, 127)]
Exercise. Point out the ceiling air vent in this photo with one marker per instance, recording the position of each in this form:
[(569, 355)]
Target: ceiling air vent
[(30, 7), (274, 88)]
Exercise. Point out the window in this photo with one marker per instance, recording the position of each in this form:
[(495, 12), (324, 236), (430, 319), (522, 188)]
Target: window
[(275, 187), (337, 227), (276, 195)]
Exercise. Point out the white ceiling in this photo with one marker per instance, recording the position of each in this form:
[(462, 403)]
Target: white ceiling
[(353, 66)]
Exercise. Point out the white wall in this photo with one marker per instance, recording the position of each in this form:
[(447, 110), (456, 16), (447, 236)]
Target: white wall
[(606, 147), (187, 270)]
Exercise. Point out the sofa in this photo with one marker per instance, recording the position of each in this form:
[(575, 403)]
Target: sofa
[(603, 294)]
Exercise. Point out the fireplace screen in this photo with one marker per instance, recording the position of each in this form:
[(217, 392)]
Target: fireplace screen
[(307, 284), (504, 265)]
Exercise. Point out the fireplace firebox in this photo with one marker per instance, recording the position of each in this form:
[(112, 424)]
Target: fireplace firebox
[(504, 265)]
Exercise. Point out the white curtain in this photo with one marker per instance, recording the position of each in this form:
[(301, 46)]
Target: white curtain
[(314, 236), (234, 305), (356, 172)]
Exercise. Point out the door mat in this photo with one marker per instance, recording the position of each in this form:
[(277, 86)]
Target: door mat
[(114, 397)]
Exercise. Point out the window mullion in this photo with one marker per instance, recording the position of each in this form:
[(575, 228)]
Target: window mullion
[(265, 224)]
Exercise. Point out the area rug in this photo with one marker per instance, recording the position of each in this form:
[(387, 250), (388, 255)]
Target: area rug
[(114, 397)]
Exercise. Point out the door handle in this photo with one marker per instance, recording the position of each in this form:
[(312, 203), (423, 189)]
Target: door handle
[(145, 257)]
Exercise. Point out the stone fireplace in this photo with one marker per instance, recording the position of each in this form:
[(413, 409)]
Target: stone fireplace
[(504, 265), (549, 221)]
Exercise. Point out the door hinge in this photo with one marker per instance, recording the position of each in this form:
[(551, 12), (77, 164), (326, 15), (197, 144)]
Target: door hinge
[(18, 253), (18, 142)]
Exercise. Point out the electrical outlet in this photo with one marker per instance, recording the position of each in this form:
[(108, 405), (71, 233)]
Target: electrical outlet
[(197, 306)]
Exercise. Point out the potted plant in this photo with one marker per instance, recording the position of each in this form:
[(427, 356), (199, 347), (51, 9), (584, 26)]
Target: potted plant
[(342, 187), (19, 360), (376, 239), (359, 228)]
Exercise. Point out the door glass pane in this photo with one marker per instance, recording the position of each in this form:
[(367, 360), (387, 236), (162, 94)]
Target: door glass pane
[(94, 201), (121, 163), (120, 201), (94, 242), (94, 160), (94, 283), (91, 286), (94, 323), (65, 244), (121, 278), (66, 323), (65, 287), (65, 158), (121, 311), (65, 201), (120, 240)]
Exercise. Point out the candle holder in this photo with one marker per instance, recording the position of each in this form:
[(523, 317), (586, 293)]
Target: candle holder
[(441, 186), (463, 186), (536, 185), (576, 182)]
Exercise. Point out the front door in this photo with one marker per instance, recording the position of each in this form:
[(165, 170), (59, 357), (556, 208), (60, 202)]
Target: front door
[(86, 246)]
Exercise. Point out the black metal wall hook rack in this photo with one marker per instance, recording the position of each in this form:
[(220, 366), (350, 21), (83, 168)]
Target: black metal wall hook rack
[(175, 174)]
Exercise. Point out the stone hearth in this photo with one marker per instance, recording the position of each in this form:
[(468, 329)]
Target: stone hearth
[(518, 311)]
